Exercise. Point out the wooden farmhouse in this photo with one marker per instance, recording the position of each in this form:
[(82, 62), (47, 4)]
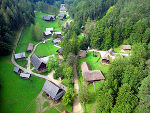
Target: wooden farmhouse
[(38, 64), (20, 56), (62, 16), (126, 47), (63, 9), (53, 91), (25, 75), (49, 18), (56, 41), (58, 34), (30, 47), (82, 54), (106, 58), (17, 70), (89, 75)]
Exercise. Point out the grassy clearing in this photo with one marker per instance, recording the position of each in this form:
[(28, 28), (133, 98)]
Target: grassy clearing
[(52, 110), (45, 104), (25, 39), (46, 49), (22, 63), (61, 107), (26, 36), (94, 65), (16, 93), (57, 24), (80, 37)]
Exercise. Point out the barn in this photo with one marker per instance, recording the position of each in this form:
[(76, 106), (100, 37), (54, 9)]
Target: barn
[(53, 91), (38, 64)]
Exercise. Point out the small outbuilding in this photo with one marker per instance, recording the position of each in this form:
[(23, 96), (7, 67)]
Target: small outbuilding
[(126, 47), (49, 18), (17, 70), (25, 75), (30, 47), (89, 75), (62, 16), (53, 91), (20, 56), (63, 9), (56, 41), (58, 34), (105, 59), (38, 64), (82, 54)]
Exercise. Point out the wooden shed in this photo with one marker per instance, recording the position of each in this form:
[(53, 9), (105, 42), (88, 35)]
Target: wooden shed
[(20, 56), (105, 59), (17, 70), (126, 47), (53, 91), (38, 64), (30, 47)]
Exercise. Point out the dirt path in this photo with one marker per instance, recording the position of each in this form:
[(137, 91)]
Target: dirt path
[(77, 108)]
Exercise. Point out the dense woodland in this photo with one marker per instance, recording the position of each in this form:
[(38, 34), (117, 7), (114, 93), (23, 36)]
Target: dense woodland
[(111, 24), (17, 13), (108, 24)]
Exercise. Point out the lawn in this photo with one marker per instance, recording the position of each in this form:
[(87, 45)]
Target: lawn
[(26, 36), (46, 49), (61, 107), (94, 65), (16, 93), (25, 39), (80, 37), (57, 24)]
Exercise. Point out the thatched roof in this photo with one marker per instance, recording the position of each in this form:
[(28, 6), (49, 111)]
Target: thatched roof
[(111, 51), (82, 53), (106, 56), (90, 75), (30, 47), (126, 47), (53, 90)]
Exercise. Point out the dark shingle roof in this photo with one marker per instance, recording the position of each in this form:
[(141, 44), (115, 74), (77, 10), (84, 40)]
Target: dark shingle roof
[(53, 90), (35, 60), (47, 18)]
